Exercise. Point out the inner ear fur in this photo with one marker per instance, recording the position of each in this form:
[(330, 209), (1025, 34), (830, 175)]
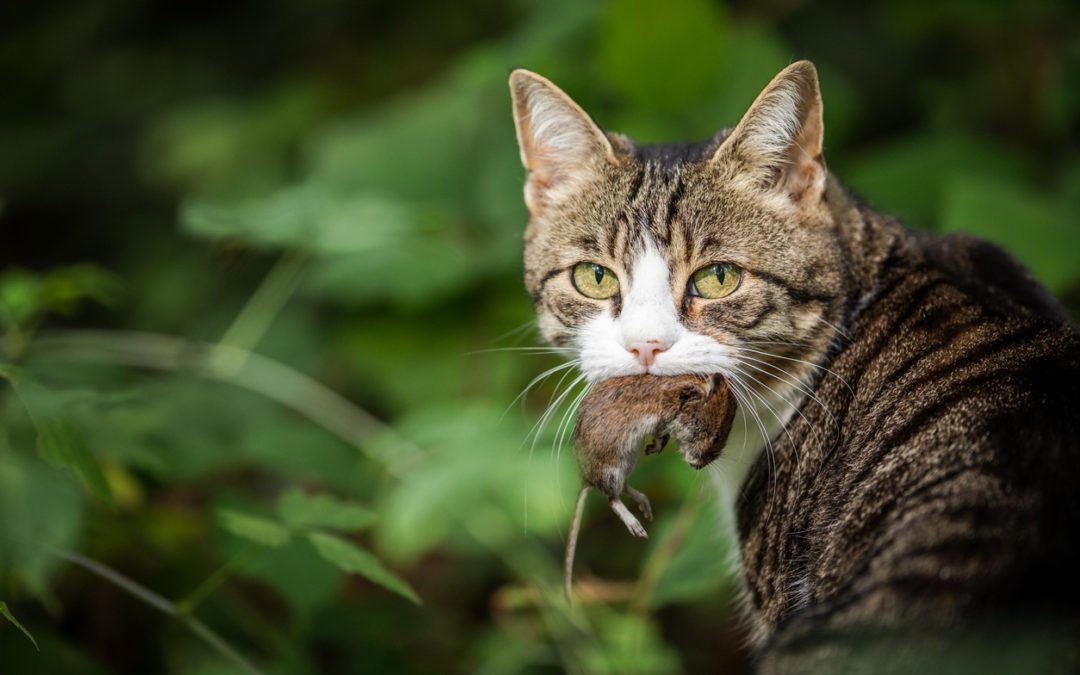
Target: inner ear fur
[(560, 144), (779, 139)]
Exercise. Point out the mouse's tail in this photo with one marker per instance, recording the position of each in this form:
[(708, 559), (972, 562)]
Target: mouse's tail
[(571, 544)]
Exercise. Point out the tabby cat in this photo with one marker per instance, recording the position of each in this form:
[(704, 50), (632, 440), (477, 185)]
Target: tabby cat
[(917, 396)]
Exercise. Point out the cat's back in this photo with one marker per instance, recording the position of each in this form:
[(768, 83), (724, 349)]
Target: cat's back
[(943, 488)]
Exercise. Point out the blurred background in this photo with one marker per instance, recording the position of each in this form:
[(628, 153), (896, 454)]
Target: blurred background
[(261, 311)]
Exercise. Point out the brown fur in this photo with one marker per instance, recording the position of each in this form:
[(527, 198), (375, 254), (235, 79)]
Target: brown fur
[(614, 420), (927, 480)]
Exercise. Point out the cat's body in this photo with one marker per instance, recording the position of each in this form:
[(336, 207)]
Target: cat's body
[(941, 489), (926, 472)]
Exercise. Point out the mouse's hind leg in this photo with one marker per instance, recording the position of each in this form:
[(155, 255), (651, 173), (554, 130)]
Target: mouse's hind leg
[(632, 523), (642, 501)]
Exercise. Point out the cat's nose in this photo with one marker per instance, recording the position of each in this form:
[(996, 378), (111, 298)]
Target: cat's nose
[(645, 351)]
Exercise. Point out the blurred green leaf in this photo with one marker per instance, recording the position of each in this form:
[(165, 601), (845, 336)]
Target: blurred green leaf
[(41, 509), (1028, 225), (909, 177), (698, 567), (354, 560), (25, 295), (261, 531), (628, 643), (295, 572), (663, 56), (61, 444), (479, 460), (6, 613), (301, 510), (59, 441)]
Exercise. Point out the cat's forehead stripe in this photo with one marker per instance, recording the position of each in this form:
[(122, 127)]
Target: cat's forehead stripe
[(651, 215)]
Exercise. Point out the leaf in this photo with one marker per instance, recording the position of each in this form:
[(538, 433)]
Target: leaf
[(42, 508), (663, 55), (909, 176), (294, 571), (478, 462), (1025, 223), (6, 613), (301, 510), (59, 441), (352, 559), (261, 531), (61, 444), (698, 567)]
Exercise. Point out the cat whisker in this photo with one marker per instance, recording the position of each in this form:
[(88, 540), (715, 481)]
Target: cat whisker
[(516, 332), (540, 378), (791, 380), (741, 393), (792, 405), (780, 421), (803, 361), (532, 350), (552, 408)]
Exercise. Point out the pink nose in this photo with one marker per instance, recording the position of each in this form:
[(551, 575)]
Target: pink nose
[(645, 351)]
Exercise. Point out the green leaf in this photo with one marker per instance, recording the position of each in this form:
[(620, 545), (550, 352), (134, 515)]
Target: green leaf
[(352, 559), (59, 441), (909, 176), (6, 613), (479, 460), (301, 510), (42, 508), (61, 444), (1035, 230), (663, 55), (698, 567), (261, 531)]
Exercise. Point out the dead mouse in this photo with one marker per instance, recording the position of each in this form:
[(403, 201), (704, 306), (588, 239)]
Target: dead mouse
[(616, 417)]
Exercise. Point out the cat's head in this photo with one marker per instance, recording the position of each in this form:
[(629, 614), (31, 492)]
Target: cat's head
[(719, 256)]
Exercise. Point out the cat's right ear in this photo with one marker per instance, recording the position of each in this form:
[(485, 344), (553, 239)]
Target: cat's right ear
[(779, 140), (561, 147)]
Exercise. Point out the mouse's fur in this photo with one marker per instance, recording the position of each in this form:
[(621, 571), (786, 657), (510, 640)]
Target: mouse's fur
[(618, 415)]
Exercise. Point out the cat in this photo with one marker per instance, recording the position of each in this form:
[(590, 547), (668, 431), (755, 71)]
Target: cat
[(921, 474)]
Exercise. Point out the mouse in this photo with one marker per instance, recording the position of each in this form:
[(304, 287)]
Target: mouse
[(622, 418)]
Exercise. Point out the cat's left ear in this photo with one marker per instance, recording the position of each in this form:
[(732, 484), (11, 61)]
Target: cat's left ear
[(779, 139)]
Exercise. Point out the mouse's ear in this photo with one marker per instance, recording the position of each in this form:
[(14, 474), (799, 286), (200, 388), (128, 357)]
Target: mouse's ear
[(561, 147)]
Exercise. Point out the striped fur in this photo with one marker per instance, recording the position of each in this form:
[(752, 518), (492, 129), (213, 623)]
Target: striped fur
[(925, 470)]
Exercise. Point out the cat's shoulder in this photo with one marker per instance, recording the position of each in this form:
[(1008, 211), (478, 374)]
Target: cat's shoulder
[(993, 277)]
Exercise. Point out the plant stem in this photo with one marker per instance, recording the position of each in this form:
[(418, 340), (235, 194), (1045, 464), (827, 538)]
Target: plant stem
[(222, 574), (260, 374), (266, 302), (661, 556), (158, 602)]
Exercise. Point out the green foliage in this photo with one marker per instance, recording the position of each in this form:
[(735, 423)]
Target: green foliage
[(261, 531), (59, 441), (301, 510), (6, 613), (1038, 232), (352, 559), (299, 256), (306, 516)]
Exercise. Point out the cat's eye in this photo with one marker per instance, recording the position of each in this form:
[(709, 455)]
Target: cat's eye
[(715, 281), (595, 281)]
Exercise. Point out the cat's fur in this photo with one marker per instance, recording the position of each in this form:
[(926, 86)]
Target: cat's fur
[(925, 470)]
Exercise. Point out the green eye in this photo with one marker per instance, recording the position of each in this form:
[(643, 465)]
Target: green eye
[(714, 281), (595, 281)]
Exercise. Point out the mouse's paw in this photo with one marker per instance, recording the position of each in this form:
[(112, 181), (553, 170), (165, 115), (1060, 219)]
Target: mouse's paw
[(632, 523), (641, 500), (655, 446)]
